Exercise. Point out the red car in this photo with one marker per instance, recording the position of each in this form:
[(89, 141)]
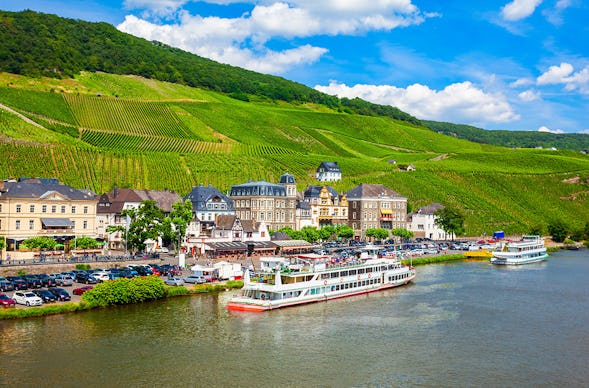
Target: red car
[(7, 301), (81, 290)]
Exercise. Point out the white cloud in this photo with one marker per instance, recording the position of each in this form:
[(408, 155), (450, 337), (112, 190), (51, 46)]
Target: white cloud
[(564, 74), (546, 129), (241, 41), (529, 95), (459, 102), (519, 9), (585, 131)]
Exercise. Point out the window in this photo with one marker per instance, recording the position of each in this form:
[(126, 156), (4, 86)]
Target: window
[(73, 209), (85, 225), (17, 225), (32, 208), (85, 209), (73, 224), (63, 208), (31, 224), (44, 208), (18, 208), (53, 208)]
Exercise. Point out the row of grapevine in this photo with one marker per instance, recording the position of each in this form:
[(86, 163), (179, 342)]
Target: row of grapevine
[(129, 142), (46, 104), (127, 116)]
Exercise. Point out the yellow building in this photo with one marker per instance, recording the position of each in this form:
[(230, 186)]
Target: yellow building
[(44, 207)]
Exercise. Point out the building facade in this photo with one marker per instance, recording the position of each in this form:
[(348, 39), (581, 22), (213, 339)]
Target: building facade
[(111, 205), (273, 204), (423, 223), (34, 207), (327, 207), (375, 206), (208, 203), (328, 172)]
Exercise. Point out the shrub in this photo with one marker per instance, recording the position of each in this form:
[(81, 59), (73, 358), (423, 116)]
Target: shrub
[(176, 291), (125, 291), (83, 267)]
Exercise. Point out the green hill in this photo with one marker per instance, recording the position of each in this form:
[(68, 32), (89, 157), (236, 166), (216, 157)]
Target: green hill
[(94, 130), (513, 139)]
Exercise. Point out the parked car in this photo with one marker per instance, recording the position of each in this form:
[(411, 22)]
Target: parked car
[(47, 296), (196, 279), (6, 285), (174, 281), (6, 301), (59, 293), (84, 277), (63, 280), (28, 298), (47, 280), (32, 281), (18, 282), (81, 290), (101, 276)]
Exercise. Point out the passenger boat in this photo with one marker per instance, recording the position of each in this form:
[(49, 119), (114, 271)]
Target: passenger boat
[(530, 249), (299, 280)]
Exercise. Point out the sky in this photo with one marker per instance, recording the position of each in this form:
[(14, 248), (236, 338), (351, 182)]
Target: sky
[(494, 64)]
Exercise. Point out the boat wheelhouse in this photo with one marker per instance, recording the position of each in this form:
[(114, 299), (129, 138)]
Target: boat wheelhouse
[(300, 280), (530, 249)]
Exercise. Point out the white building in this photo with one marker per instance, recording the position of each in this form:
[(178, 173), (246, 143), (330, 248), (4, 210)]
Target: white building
[(423, 223)]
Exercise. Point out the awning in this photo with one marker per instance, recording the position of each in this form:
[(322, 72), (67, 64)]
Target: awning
[(386, 211), (57, 222)]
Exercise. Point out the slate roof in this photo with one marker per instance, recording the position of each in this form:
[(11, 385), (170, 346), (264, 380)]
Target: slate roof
[(114, 200), (36, 188), (201, 195), (372, 191), (329, 166), (259, 188), (225, 221), (432, 208), (287, 179), (314, 191)]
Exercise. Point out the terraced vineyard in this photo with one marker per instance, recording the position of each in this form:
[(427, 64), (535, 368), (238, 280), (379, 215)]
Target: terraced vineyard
[(163, 136)]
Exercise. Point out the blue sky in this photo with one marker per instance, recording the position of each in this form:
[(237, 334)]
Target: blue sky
[(495, 64)]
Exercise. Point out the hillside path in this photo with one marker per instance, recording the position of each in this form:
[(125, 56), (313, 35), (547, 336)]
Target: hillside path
[(2, 106)]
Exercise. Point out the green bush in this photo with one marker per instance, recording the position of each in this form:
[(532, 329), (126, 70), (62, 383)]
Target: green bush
[(83, 267), (125, 291), (15, 313), (434, 259)]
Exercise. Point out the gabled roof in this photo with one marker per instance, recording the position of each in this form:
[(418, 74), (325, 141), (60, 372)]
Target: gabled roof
[(201, 195), (329, 166), (38, 187), (372, 191), (432, 208), (314, 191), (225, 221), (250, 226), (117, 198)]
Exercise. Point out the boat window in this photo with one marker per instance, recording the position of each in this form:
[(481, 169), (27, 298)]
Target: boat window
[(324, 276), (337, 287), (361, 270), (344, 273), (334, 275), (355, 285), (352, 272)]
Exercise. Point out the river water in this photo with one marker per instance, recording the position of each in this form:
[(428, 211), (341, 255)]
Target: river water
[(459, 324)]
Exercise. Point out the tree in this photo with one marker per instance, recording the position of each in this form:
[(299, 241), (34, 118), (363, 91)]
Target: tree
[(2, 245), (450, 220), (146, 223), (558, 230), (344, 231), (310, 234), (326, 232), (403, 233), (377, 233), (39, 243), (537, 229), (86, 243), (176, 224)]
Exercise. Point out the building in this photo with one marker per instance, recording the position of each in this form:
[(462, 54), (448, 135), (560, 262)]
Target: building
[(303, 215), (208, 203), (33, 207), (423, 223), (327, 207), (375, 206), (273, 204), (111, 205), (328, 172)]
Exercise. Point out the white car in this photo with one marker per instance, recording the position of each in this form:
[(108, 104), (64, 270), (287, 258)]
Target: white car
[(63, 280), (27, 298), (196, 279), (101, 276)]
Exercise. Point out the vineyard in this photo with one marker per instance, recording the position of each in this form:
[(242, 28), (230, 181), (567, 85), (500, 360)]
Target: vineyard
[(150, 135)]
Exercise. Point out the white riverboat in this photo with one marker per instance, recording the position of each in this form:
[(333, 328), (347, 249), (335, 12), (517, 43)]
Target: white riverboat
[(301, 280), (530, 249)]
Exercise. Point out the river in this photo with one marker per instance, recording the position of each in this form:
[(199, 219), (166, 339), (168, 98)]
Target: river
[(458, 324)]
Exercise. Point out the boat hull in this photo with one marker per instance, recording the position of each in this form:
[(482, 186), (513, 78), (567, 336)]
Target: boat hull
[(518, 261), (244, 304)]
